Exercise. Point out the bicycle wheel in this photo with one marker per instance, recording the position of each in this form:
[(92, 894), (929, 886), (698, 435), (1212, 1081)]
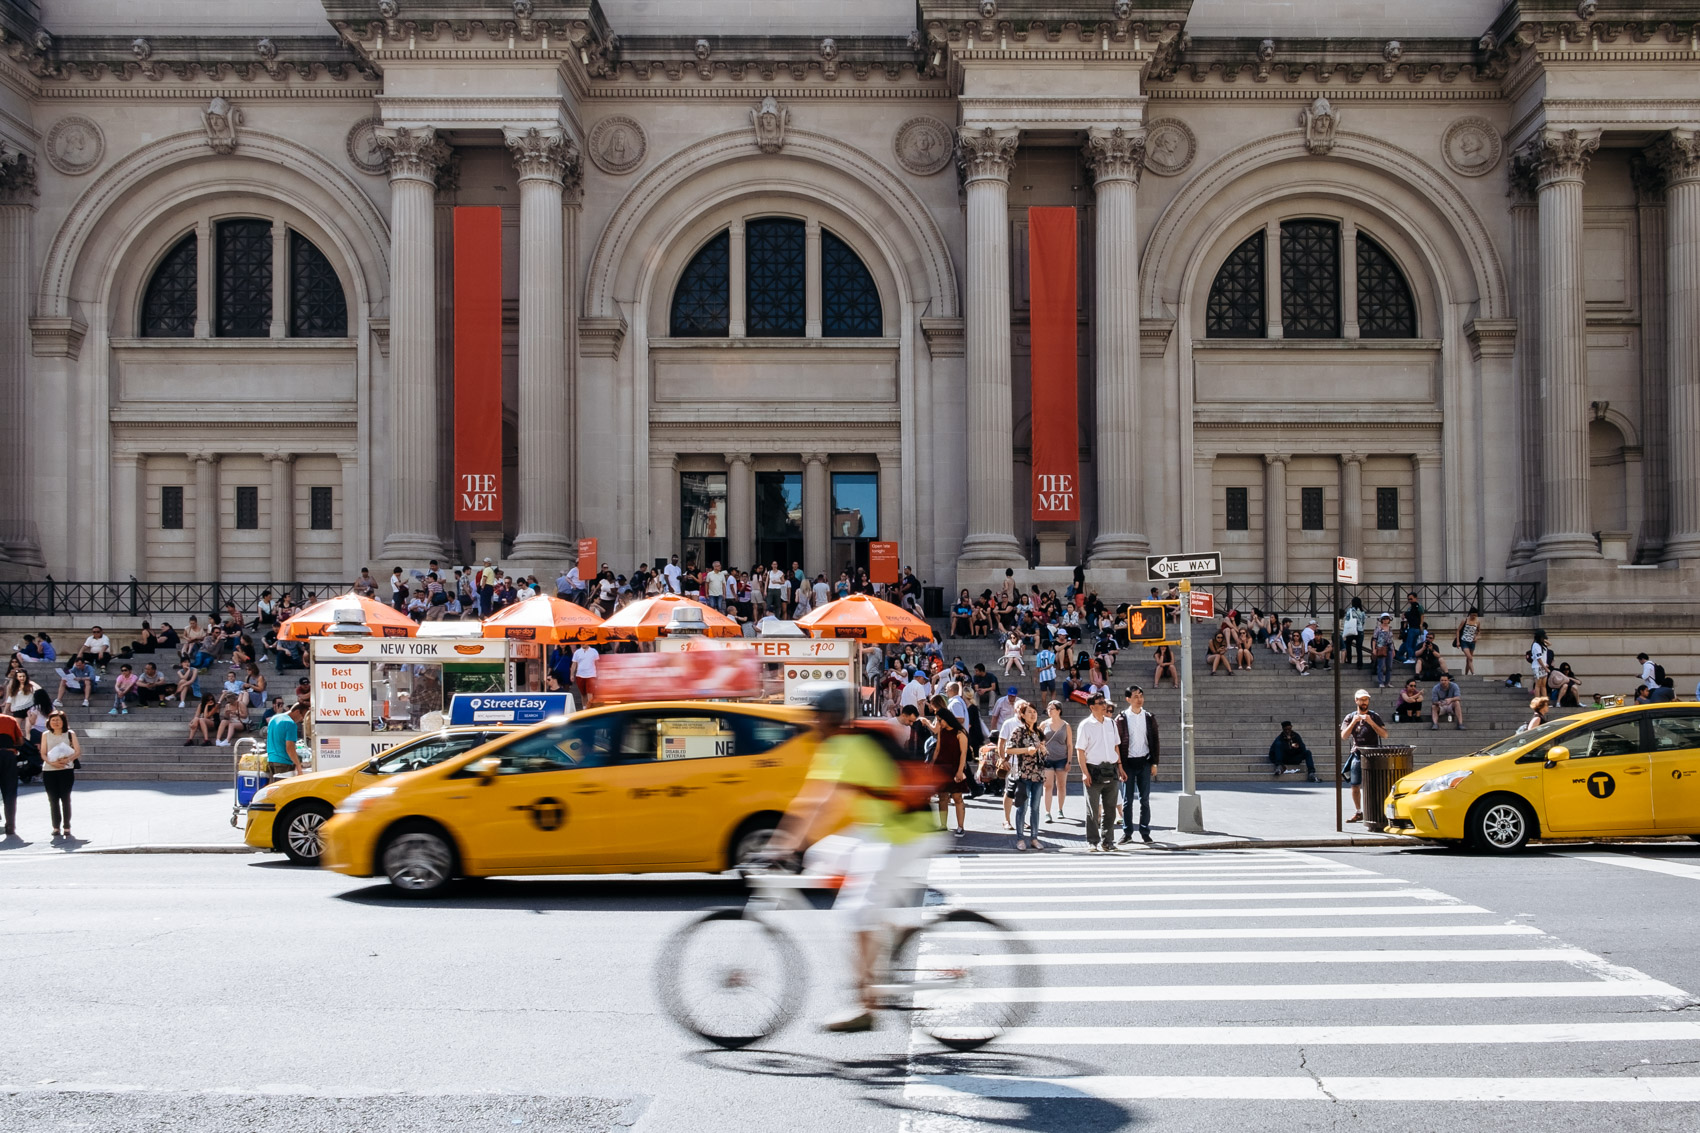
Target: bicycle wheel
[(730, 979), (963, 977)]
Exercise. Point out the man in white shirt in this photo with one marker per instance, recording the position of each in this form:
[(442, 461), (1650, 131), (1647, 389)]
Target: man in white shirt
[(717, 587), (1005, 730), (916, 691), (1308, 634), (1137, 744), (584, 672), (1101, 772), (958, 706), (673, 575), (97, 648), (1004, 708), (822, 592)]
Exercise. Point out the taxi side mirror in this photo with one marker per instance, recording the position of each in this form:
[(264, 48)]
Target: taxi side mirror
[(1558, 753), (487, 769)]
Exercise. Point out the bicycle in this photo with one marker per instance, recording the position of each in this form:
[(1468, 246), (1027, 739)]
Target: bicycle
[(734, 977)]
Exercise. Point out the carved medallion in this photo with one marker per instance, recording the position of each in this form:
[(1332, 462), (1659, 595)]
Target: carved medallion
[(1169, 146), (362, 146), (617, 145), (1471, 146), (74, 145), (924, 146)]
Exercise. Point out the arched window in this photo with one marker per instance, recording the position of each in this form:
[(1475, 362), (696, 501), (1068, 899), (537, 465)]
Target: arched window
[(243, 278), (1310, 279), (850, 303), (317, 308), (702, 305), (1385, 306), (1311, 287), (168, 304), (1235, 309), (775, 277)]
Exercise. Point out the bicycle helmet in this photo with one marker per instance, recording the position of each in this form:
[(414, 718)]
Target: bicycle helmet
[(832, 705)]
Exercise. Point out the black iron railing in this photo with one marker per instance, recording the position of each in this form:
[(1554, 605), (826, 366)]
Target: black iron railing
[(52, 598), (1313, 599)]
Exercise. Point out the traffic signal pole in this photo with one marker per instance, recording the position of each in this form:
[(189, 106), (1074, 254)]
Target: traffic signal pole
[(1189, 818)]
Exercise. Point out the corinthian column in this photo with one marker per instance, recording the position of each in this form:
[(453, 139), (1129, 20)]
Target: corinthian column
[(1275, 517), (283, 516), (1116, 158), (1559, 159), (411, 531), (987, 155), (17, 194), (1678, 152), (544, 159)]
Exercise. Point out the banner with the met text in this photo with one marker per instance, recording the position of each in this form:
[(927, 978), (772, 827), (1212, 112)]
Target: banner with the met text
[(478, 363), (1052, 273)]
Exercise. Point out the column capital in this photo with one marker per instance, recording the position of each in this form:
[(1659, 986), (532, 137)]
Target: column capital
[(1272, 458), (17, 177), (987, 154), (205, 457), (1115, 154), (739, 458), (543, 155), (1356, 458), (1555, 155), (280, 457), (412, 154), (1425, 459), (348, 458), (816, 457), (1677, 155)]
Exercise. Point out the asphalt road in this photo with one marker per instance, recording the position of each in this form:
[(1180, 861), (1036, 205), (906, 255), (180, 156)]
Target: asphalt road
[(1268, 990)]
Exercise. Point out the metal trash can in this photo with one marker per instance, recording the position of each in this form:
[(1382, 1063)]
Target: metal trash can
[(932, 601), (1382, 767)]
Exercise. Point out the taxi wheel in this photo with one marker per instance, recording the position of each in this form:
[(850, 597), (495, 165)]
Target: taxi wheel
[(300, 832), (419, 861), (1500, 824), (752, 837)]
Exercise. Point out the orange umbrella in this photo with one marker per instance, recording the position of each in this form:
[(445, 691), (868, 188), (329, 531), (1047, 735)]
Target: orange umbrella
[(866, 618), (382, 620), (544, 619), (644, 620)]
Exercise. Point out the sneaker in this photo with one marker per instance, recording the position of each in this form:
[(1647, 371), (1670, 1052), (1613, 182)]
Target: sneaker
[(112, 711), (1460, 727), (1145, 835), (124, 712), (1021, 843), (221, 743), (1126, 838), (859, 1019), (1434, 727), (959, 832), (1092, 849), (1109, 847), (59, 704), (1310, 779)]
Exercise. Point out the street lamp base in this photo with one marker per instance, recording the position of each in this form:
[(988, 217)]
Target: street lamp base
[(1189, 815)]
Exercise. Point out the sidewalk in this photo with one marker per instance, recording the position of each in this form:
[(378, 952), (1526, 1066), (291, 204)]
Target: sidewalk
[(165, 816)]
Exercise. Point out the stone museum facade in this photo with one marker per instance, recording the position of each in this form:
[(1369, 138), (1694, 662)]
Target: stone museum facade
[(1422, 292)]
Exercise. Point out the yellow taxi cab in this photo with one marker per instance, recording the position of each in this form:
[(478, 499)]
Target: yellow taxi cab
[(629, 788), (1629, 772), (288, 814)]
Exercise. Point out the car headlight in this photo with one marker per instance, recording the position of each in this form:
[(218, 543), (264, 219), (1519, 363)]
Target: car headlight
[(360, 800), (264, 793), (1444, 782)]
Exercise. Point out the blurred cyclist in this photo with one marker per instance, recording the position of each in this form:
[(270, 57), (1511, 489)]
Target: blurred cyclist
[(859, 774)]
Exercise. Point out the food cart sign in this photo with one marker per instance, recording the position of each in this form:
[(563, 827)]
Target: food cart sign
[(508, 707), (342, 693), (410, 650), (801, 663)]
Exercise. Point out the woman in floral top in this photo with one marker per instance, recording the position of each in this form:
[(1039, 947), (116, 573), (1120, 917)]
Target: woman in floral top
[(1026, 750)]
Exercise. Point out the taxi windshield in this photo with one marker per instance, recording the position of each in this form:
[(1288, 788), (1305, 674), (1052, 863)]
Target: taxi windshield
[(1513, 742)]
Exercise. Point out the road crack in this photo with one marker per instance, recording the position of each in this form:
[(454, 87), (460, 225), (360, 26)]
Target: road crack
[(1315, 1077)]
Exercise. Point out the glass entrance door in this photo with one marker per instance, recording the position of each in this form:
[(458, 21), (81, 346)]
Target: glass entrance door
[(702, 518), (855, 520), (779, 518)]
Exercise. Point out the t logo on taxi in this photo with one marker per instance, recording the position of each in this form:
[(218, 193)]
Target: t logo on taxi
[(1601, 785)]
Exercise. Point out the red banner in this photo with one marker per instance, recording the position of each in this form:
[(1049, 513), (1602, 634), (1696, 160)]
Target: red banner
[(478, 364), (586, 560), (882, 563), (1052, 274)]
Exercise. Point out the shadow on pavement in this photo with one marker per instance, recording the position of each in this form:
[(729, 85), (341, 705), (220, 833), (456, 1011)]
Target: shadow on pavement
[(579, 895), (886, 1077)]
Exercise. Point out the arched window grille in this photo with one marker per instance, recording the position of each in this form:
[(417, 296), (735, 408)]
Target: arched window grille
[(244, 278), (702, 304), (169, 302), (1235, 308), (1385, 306), (1310, 279), (317, 308), (775, 277), (850, 303)]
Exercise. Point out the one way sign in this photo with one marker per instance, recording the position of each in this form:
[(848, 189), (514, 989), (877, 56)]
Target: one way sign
[(1161, 568)]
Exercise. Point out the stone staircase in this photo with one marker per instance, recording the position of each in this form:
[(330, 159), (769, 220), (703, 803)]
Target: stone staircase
[(145, 745), (1235, 718)]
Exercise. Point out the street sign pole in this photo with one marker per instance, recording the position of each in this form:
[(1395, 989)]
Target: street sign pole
[(1339, 711), (1189, 817)]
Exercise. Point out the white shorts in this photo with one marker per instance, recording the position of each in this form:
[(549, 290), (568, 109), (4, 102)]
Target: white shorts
[(876, 873)]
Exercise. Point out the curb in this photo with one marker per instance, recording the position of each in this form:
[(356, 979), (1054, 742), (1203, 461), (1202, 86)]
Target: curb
[(168, 848), (1233, 844)]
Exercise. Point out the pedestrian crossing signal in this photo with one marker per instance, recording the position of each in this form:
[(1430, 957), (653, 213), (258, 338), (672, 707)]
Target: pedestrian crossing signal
[(1145, 624)]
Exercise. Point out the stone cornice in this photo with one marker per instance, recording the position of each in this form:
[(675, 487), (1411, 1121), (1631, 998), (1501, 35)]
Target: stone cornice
[(57, 337), (1491, 338), (120, 60), (945, 337)]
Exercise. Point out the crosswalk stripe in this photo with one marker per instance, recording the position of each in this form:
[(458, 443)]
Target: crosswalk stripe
[(1297, 1088), (1404, 1034), (1248, 875), (1227, 993), (1303, 895), (1265, 958), (1176, 914), (1174, 882), (1329, 932), (1651, 865)]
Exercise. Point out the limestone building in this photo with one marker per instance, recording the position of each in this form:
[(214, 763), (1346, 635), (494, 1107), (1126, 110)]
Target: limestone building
[(1417, 282)]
